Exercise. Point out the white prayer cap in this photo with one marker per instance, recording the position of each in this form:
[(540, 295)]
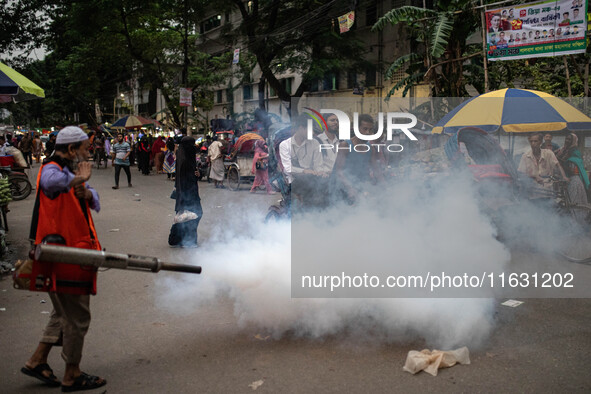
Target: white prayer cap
[(70, 135)]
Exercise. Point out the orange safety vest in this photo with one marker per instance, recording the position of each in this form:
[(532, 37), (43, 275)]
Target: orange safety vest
[(64, 215)]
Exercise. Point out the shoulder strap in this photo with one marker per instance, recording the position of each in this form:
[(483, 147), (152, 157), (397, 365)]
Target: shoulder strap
[(324, 152), (35, 218)]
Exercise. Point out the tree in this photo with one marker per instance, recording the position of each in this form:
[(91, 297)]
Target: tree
[(160, 37), (442, 32), (297, 36)]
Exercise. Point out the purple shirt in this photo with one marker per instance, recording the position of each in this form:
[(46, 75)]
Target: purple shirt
[(54, 181)]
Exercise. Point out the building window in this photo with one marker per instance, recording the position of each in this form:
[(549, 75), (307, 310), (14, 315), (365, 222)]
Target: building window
[(330, 82), (211, 23), (286, 83), (247, 92), (398, 76), (230, 95), (352, 80), (370, 76), (218, 96), (371, 13), (314, 85)]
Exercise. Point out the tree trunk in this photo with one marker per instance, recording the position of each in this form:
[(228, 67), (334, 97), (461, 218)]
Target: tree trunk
[(570, 94)]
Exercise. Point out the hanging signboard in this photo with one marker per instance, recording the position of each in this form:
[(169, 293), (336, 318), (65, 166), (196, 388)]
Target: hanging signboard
[(186, 97), (346, 21), (544, 28)]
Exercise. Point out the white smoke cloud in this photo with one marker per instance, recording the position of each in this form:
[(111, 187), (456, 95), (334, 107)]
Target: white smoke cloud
[(435, 226)]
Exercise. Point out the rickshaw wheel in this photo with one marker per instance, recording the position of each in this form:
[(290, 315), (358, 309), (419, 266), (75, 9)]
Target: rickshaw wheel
[(20, 187), (574, 245), (233, 178), (275, 214)]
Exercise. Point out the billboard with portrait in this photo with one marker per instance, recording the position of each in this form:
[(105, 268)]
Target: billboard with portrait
[(544, 28)]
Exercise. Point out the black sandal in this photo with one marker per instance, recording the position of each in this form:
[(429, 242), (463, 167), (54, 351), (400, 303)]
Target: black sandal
[(84, 382), (37, 372)]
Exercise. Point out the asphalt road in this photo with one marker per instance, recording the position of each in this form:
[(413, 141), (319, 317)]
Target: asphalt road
[(141, 346)]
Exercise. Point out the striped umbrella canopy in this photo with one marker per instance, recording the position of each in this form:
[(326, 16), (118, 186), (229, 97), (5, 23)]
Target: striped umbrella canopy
[(134, 122), (515, 111), (245, 142), (16, 87)]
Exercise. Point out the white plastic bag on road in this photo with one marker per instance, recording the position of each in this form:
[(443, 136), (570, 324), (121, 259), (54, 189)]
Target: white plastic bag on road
[(431, 361)]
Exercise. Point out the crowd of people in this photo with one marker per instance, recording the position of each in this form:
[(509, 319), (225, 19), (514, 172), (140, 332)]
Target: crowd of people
[(318, 170)]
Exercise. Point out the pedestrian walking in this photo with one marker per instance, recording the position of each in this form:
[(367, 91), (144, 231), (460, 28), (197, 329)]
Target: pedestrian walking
[(188, 202), (158, 154), (260, 167), (62, 215), (143, 156), (121, 152), (37, 148), (216, 158), (50, 145), (26, 147), (169, 165)]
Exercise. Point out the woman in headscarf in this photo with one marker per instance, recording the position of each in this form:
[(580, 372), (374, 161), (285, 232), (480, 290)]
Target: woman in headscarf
[(571, 160), (187, 195), (169, 158), (158, 154), (143, 156), (260, 164)]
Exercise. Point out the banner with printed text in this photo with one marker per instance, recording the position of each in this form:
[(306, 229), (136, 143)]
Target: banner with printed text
[(544, 28), (185, 97)]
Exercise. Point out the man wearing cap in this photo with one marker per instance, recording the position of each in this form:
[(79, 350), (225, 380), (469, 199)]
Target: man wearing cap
[(62, 215)]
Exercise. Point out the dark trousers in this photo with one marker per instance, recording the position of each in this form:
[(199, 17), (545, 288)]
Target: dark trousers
[(118, 168), (28, 157)]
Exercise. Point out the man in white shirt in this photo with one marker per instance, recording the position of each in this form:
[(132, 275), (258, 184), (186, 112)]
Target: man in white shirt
[(539, 164), (300, 155), (302, 164), (329, 143)]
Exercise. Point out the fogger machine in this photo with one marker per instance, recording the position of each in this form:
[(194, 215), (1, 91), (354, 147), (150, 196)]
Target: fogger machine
[(73, 270)]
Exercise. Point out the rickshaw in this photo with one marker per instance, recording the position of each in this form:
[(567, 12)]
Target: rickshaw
[(502, 189), (238, 164)]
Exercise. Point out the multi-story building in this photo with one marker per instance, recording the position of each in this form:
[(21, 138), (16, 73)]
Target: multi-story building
[(237, 97)]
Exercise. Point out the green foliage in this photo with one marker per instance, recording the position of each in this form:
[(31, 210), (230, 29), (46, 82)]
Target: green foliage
[(441, 34), (443, 31), (296, 36)]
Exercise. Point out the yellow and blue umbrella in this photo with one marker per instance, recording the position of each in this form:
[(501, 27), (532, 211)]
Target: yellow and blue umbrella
[(514, 111), (134, 122), (16, 87)]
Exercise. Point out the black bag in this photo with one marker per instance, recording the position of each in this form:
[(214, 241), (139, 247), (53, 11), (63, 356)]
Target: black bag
[(175, 236), (261, 165)]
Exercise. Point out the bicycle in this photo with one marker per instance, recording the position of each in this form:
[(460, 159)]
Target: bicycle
[(575, 245)]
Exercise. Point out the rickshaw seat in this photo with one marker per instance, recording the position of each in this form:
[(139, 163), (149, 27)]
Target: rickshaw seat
[(489, 171)]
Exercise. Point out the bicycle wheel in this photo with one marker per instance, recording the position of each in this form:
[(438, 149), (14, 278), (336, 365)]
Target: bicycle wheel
[(20, 187), (575, 243), (275, 214), (233, 178)]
